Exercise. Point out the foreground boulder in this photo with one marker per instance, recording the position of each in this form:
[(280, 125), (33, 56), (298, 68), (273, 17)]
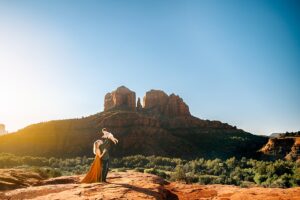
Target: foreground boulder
[(133, 185), (16, 178)]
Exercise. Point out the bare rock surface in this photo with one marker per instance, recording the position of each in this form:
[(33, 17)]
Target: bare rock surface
[(122, 97), (229, 192), (160, 102), (283, 148), (122, 185), (15, 178), (133, 185)]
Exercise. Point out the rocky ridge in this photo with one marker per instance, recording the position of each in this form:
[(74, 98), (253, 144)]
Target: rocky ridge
[(282, 148), (161, 126)]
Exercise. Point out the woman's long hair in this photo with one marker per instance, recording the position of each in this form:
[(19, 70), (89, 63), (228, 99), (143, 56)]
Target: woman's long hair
[(95, 145)]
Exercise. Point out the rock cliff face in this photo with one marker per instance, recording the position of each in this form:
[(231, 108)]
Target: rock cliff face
[(172, 106), (282, 148), (121, 98)]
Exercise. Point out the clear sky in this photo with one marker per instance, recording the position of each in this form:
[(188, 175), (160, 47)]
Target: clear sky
[(234, 61)]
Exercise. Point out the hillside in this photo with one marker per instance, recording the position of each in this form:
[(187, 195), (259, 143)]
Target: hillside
[(162, 126), (135, 185), (282, 148)]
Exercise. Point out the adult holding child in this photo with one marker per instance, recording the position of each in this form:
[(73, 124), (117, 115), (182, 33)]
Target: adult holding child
[(100, 166)]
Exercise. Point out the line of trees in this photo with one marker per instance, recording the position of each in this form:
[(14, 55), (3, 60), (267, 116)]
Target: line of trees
[(243, 172)]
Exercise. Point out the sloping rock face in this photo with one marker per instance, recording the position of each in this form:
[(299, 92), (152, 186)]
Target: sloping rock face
[(228, 192), (133, 185), (160, 102), (122, 185), (16, 178), (122, 97), (282, 148), (162, 127)]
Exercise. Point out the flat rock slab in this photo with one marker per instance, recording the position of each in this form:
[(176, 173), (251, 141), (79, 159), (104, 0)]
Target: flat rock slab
[(134, 185), (229, 192), (122, 185)]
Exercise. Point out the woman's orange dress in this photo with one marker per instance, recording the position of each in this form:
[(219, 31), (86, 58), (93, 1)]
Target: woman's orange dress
[(95, 173)]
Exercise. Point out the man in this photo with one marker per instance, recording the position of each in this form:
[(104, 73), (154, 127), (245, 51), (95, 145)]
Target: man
[(105, 147)]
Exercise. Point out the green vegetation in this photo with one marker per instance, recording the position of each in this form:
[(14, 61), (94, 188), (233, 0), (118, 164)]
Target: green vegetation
[(242, 172), (291, 134)]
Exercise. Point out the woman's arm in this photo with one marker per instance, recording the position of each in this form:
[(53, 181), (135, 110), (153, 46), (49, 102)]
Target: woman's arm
[(103, 153), (98, 153)]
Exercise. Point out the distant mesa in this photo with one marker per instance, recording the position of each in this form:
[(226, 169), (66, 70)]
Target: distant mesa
[(284, 135), (2, 129), (283, 146), (156, 101), (274, 135)]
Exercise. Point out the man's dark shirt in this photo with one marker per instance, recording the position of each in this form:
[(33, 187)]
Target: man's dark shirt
[(106, 145)]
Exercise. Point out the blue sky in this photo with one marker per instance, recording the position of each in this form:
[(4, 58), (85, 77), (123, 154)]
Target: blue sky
[(234, 61)]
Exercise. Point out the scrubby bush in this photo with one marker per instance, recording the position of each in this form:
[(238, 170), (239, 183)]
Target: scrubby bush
[(139, 169), (233, 171), (179, 174), (47, 172), (156, 172)]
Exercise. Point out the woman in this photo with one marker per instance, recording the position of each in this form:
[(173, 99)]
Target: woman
[(95, 173)]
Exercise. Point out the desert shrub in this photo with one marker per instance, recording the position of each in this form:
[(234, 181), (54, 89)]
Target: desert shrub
[(34, 161), (130, 161), (296, 176), (283, 181), (156, 172), (6, 162), (162, 161), (191, 178), (209, 179), (123, 169), (259, 178), (47, 172), (246, 184), (178, 174), (139, 169)]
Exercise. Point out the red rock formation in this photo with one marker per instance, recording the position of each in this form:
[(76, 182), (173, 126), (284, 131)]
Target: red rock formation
[(176, 107), (283, 147), (122, 97), (138, 104), (160, 128), (133, 185), (18, 178), (159, 101), (155, 99), (229, 192)]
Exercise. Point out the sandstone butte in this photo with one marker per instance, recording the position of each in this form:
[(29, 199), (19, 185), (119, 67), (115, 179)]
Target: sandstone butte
[(22, 184), (157, 124), (156, 100)]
